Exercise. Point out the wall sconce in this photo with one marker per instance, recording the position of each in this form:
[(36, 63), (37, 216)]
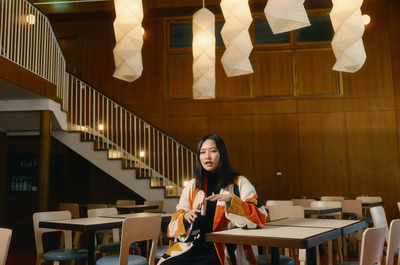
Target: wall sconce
[(129, 39), (203, 54), (347, 42), (30, 19), (141, 154), (101, 127), (286, 15), (236, 37)]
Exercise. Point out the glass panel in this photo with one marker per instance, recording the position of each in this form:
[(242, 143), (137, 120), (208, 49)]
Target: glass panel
[(264, 34), (181, 35), (320, 30)]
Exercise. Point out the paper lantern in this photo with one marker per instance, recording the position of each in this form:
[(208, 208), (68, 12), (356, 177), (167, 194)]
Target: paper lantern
[(347, 42), (129, 39), (236, 37), (286, 15), (203, 54)]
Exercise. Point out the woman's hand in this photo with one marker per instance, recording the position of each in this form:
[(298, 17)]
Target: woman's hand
[(191, 215), (220, 197)]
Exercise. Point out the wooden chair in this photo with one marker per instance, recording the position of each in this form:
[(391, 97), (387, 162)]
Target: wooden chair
[(302, 202), (74, 209), (160, 206), (125, 202), (136, 229), (393, 242), (372, 243), (367, 199), (332, 198), (278, 202), (279, 211), (352, 209), (58, 255), (95, 206), (5, 239), (379, 219)]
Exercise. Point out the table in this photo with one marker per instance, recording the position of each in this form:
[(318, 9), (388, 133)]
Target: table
[(90, 225), (136, 208), (300, 233), (321, 210)]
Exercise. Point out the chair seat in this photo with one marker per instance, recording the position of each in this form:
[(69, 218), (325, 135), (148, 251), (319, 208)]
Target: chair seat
[(113, 247), (160, 251), (65, 254), (265, 259), (114, 260)]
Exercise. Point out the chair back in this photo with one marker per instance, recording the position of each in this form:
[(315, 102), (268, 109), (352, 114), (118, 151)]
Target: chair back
[(326, 204), (353, 206), (279, 202), (283, 211), (332, 198), (72, 207), (125, 202), (393, 241), (105, 212), (95, 206), (398, 205), (302, 202), (369, 198), (379, 218), (136, 229), (49, 216), (5, 239), (372, 243), (160, 206)]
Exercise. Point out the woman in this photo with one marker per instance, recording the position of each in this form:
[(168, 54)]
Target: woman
[(217, 199)]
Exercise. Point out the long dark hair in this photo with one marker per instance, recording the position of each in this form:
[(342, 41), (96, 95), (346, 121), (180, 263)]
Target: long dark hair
[(226, 174)]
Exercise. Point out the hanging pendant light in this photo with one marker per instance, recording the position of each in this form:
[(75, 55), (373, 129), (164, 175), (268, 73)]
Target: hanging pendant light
[(286, 15), (236, 37), (347, 42), (129, 39), (203, 54)]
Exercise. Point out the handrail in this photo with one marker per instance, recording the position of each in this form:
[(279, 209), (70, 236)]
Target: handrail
[(34, 47)]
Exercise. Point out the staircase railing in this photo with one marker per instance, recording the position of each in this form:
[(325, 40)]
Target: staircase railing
[(27, 39)]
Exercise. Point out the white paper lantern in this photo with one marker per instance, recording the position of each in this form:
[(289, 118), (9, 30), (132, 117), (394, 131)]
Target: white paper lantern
[(129, 39), (203, 54), (347, 42), (286, 15), (236, 37)]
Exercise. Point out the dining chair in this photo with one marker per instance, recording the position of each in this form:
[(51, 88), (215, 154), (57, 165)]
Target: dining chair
[(278, 202), (398, 205), (74, 209), (332, 198), (5, 239), (56, 256), (352, 209), (372, 243), (95, 206), (393, 242), (302, 202), (378, 216), (161, 249), (160, 205), (135, 229), (275, 212), (125, 202), (368, 199)]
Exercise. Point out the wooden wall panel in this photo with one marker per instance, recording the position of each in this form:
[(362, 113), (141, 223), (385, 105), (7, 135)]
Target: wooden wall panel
[(276, 150), (323, 154), (374, 156), (315, 74), (230, 87), (236, 132), (179, 76), (375, 77), (274, 74)]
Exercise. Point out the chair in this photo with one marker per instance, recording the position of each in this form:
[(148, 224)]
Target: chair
[(379, 219), (160, 206), (74, 209), (398, 205), (125, 202), (352, 209), (278, 212), (302, 202), (372, 243), (5, 239), (332, 198), (135, 229), (278, 202), (67, 253), (368, 199), (95, 206), (393, 242)]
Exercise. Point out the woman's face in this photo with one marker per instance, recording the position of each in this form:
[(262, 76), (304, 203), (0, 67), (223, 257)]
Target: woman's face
[(209, 156)]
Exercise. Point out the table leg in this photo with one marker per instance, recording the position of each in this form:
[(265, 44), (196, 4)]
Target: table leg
[(91, 239), (275, 255), (312, 256)]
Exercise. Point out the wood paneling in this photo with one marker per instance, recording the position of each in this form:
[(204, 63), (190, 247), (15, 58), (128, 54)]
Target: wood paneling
[(373, 156), (179, 76), (274, 75), (314, 73), (323, 154), (276, 150)]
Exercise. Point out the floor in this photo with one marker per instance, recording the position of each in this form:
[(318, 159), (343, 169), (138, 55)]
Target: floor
[(26, 255)]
